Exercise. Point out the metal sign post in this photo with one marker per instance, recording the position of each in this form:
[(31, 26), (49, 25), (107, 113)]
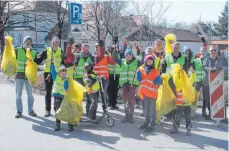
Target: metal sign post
[(217, 102), (75, 20)]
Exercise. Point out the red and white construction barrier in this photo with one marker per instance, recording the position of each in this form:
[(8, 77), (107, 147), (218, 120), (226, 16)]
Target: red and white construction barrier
[(217, 95)]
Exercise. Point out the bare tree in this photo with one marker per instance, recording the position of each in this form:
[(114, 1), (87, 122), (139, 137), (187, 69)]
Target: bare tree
[(10, 9), (52, 12), (113, 20), (103, 18), (151, 15)]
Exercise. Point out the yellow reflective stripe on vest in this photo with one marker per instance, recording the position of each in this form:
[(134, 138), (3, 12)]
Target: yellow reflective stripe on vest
[(149, 88), (179, 93), (56, 59), (147, 80), (100, 67)]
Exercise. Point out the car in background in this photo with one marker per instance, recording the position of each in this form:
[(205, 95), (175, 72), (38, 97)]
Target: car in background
[(39, 47)]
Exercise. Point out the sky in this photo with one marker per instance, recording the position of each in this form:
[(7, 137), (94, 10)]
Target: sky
[(191, 11)]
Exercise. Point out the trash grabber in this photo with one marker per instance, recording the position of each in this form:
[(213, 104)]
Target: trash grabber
[(131, 85), (102, 92)]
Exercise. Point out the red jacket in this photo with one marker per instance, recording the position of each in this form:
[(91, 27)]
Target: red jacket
[(69, 56)]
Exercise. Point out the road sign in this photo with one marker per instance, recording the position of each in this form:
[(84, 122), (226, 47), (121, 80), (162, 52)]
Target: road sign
[(216, 80), (75, 11), (75, 20)]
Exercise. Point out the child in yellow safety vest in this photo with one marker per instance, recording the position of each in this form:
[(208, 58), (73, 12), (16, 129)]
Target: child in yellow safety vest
[(59, 91), (93, 86)]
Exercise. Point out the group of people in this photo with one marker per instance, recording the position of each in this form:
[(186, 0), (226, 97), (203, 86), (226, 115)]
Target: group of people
[(136, 71)]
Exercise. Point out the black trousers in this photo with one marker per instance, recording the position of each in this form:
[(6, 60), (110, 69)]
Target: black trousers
[(182, 111), (113, 89), (206, 99), (57, 104), (48, 88)]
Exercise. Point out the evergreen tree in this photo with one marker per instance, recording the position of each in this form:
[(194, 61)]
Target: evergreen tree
[(222, 26)]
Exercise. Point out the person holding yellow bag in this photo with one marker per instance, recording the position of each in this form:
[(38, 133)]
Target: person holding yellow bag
[(21, 77), (60, 87), (184, 96), (170, 59)]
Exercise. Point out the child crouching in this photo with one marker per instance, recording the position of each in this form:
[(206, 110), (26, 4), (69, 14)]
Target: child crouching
[(149, 78), (60, 87), (92, 85)]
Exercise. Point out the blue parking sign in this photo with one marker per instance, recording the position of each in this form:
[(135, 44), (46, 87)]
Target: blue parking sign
[(75, 11)]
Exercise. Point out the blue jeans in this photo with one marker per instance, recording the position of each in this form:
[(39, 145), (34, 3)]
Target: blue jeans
[(19, 87)]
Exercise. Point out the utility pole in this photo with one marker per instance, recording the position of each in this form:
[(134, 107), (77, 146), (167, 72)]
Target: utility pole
[(36, 26)]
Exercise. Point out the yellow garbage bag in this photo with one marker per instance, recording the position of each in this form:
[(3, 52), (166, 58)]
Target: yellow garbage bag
[(166, 100), (9, 62), (184, 83), (71, 109), (195, 103), (70, 72), (31, 68), (169, 38), (75, 91)]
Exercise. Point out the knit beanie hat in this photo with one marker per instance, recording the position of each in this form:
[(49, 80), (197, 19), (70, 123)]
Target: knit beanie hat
[(149, 57), (26, 38), (129, 51), (186, 48)]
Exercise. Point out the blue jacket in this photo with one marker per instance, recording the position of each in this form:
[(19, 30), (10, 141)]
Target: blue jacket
[(54, 74), (156, 81)]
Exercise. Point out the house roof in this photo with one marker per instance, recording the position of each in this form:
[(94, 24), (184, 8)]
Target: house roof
[(160, 32), (220, 42), (47, 6), (202, 27)]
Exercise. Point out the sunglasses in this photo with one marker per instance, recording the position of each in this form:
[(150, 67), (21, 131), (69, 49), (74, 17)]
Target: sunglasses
[(213, 50)]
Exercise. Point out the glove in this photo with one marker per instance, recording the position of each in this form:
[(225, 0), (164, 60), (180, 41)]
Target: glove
[(213, 70)]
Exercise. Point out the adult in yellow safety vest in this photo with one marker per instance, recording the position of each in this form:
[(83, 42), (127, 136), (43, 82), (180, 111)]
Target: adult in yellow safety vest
[(20, 78), (80, 60), (198, 66), (128, 81), (174, 57), (55, 54), (183, 108)]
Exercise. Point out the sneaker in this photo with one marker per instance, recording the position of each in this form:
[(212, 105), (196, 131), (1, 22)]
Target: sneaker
[(138, 107), (174, 131), (188, 133), (57, 127), (204, 114), (47, 114), (131, 118), (189, 130), (33, 114), (116, 107), (149, 129), (142, 114), (144, 126), (208, 117), (70, 128), (18, 115), (125, 119), (112, 108)]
